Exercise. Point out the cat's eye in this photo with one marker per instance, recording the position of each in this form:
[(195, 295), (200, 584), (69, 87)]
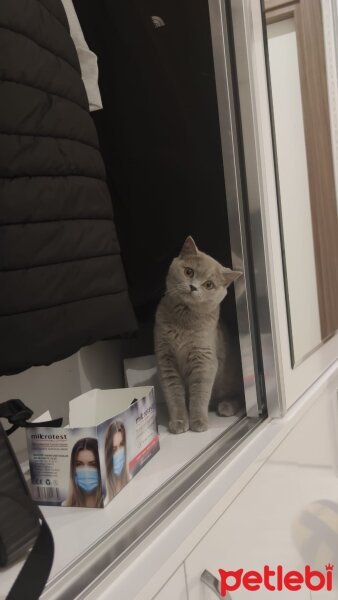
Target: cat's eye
[(189, 272), (208, 285)]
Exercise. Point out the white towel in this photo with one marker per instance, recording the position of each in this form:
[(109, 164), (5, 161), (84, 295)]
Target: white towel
[(87, 58)]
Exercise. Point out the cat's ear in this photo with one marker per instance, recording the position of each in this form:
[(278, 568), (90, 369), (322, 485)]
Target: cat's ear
[(189, 247), (230, 276)]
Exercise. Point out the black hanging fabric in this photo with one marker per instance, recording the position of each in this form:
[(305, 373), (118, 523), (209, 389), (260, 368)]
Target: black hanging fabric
[(159, 133), (23, 527), (62, 282)]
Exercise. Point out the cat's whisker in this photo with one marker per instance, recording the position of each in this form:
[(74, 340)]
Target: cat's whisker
[(172, 291), (180, 287)]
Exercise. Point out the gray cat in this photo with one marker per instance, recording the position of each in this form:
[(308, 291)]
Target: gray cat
[(196, 364)]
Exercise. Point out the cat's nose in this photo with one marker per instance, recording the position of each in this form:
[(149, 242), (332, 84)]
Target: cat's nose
[(193, 288)]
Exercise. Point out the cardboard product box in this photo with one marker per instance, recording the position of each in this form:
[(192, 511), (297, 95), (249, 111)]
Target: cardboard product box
[(111, 435)]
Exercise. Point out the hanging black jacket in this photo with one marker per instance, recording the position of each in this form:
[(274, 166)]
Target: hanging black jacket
[(62, 283)]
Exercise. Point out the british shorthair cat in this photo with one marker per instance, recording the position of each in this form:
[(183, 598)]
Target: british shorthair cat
[(198, 364)]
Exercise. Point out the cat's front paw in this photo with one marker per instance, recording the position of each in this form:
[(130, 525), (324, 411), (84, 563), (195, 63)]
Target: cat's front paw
[(228, 408), (178, 426), (198, 425)]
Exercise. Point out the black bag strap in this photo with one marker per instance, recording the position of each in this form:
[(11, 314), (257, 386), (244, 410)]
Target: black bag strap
[(34, 574)]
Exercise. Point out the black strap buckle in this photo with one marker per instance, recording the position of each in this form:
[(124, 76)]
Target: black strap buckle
[(15, 411), (17, 414)]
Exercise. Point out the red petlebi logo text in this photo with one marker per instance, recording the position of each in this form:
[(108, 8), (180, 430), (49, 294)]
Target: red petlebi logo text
[(276, 579)]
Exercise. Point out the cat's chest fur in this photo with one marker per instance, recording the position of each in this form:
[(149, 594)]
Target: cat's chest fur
[(186, 334)]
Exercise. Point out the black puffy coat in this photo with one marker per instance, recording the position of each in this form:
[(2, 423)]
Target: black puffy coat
[(62, 283)]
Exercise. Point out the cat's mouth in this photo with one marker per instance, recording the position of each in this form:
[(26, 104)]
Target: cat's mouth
[(193, 295)]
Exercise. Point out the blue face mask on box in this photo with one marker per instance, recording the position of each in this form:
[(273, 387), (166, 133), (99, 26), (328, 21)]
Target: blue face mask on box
[(118, 461), (87, 478)]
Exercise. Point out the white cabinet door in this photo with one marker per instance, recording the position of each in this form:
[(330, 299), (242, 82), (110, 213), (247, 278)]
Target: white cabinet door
[(287, 514), (175, 588)]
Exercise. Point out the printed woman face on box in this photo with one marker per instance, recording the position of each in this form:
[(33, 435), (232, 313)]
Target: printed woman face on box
[(116, 458), (119, 452), (86, 458), (86, 465), (85, 488)]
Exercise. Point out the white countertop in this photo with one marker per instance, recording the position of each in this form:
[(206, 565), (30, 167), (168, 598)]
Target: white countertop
[(76, 529)]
